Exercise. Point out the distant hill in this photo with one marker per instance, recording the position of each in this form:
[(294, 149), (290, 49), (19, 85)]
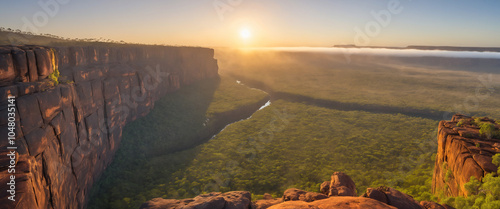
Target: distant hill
[(25, 38), (446, 48), (15, 38)]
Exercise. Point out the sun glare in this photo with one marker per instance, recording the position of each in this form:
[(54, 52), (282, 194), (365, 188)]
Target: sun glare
[(245, 33)]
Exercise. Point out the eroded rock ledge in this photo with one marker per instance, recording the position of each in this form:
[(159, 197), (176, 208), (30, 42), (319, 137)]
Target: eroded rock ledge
[(339, 192), (67, 134), (463, 151)]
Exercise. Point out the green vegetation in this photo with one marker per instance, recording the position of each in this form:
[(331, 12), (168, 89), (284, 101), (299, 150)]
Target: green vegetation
[(292, 144), (387, 81), (178, 122), (295, 145), (489, 130), (461, 122), (285, 145), (484, 195), (54, 76)]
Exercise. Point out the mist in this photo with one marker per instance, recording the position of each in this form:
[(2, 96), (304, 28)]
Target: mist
[(386, 52)]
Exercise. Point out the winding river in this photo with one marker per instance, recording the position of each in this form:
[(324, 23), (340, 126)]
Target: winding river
[(268, 103)]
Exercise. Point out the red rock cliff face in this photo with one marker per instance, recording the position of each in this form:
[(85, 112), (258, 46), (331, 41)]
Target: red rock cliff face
[(67, 135), (462, 153)]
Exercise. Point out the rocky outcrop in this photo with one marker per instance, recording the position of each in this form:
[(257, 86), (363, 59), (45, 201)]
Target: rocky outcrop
[(214, 200), (392, 197), (335, 203), (341, 185), (67, 134), (379, 198), (297, 194), (464, 151)]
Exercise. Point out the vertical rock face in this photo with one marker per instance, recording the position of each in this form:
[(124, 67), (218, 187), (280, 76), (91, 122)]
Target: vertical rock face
[(462, 153), (66, 135)]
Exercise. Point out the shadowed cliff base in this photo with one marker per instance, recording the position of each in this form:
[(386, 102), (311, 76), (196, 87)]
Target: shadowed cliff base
[(167, 139)]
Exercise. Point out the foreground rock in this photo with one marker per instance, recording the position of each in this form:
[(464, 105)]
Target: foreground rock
[(214, 200), (341, 190), (335, 203), (340, 185), (297, 194), (393, 197)]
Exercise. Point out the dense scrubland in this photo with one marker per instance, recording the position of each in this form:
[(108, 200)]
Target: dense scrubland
[(372, 117), (178, 122)]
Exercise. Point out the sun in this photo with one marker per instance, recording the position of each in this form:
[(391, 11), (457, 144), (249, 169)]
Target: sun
[(245, 33)]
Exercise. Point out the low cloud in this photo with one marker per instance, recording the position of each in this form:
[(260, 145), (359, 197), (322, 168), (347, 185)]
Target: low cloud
[(388, 52)]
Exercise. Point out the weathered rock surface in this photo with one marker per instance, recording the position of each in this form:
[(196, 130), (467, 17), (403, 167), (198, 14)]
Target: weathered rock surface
[(215, 200), (297, 194), (339, 185), (392, 197), (335, 203), (266, 202), (379, 198), (67, 135), (462, 153)]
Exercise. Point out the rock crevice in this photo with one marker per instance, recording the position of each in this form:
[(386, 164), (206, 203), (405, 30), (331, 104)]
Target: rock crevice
[(67, 134), (463, 152)]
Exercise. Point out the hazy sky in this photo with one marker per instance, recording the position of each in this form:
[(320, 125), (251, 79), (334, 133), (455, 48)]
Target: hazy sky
[(263, 22)]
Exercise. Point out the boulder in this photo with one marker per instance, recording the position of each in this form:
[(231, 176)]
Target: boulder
[(212, 200), (400, 200), (237, 199), (341, 185), (293, 194), (325, 187), (297, 194), (376, 195)]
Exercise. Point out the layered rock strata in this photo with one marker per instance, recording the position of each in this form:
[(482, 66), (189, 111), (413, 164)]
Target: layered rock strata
[(66, 132), (464, 151)]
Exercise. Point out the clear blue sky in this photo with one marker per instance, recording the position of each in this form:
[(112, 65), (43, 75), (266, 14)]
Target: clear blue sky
[(269, 22)]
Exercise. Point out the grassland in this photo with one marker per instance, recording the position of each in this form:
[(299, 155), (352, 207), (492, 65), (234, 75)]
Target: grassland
[(447, 85)]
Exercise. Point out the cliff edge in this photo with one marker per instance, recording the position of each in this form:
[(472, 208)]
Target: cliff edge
[(465, 149), (70, 105)]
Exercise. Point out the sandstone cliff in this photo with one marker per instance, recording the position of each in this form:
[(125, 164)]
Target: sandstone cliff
[(67, 134), (464, 150)]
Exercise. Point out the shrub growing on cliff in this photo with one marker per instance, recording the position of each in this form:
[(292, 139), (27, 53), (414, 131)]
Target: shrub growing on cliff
[(488, 130), (54, 76), (461, 122)]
